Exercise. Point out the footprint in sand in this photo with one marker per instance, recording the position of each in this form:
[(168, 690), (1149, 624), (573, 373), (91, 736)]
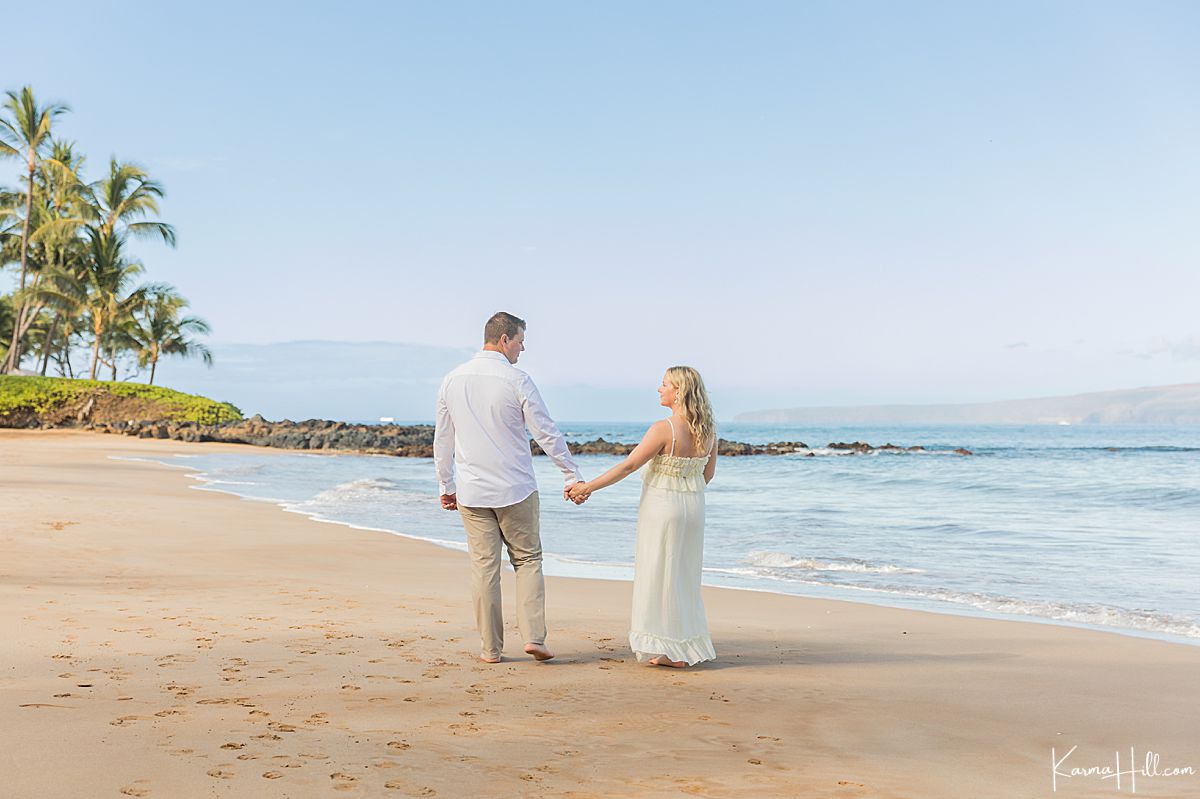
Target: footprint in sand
[(398, 745), (233, 745), (220, 774), (169, 712), (174, 660), (267, 736), (272, 775), (287, 762), (136, 789), (122, 721), (343, 781), (279, 726)]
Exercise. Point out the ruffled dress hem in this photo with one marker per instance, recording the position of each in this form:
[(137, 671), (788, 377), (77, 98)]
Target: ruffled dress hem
[(690, 650)]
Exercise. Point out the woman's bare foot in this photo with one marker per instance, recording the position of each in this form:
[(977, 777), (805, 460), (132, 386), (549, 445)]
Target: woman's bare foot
[(663, 660), (539, 651), (489, 658)]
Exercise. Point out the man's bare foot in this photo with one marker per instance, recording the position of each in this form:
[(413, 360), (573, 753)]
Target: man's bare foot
[(489, 658), (663, 660), (539, 651)]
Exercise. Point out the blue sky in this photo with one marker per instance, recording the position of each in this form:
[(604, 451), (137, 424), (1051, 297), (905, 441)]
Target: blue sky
[(821, 203)]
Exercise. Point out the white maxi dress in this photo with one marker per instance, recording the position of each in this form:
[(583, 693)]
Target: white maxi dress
[(668, 612)]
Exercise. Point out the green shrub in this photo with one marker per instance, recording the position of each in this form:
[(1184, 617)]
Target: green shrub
[(46, 394)]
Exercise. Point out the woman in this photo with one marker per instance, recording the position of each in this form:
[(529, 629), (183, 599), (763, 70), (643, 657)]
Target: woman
[(668, 626)]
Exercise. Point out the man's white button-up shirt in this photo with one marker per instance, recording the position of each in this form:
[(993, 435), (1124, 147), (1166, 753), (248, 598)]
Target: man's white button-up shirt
[(483, 410)]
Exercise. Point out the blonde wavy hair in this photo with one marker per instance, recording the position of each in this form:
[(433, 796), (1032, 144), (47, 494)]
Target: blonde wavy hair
[(697, 410)]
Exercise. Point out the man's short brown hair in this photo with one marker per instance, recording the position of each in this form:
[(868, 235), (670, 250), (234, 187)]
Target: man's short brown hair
[(501, 324)]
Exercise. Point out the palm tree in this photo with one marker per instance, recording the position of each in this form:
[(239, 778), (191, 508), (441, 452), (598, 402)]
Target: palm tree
[(100, 291), (23, 136), (116, 207), (156, 329), (59, 235), (123, 199)]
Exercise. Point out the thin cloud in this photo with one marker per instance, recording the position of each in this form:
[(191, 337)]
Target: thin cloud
[(1184, 349)]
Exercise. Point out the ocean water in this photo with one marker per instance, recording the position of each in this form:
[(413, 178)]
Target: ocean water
[(1095, 526)]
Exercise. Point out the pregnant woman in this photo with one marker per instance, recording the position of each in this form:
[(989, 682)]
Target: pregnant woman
[(680, 457)]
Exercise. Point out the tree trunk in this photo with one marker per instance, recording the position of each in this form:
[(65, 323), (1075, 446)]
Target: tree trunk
[(95, 356), (14, 349), (30, 318), (153, 366), (49, 345)]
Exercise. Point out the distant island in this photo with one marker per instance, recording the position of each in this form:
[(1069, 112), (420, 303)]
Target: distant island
[(1178, 404)]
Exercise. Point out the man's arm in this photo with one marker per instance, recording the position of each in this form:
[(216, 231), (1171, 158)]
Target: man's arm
[(443, 451), (545, 432)]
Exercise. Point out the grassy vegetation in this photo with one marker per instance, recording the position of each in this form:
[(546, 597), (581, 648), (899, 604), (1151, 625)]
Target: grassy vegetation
[(43, 395)]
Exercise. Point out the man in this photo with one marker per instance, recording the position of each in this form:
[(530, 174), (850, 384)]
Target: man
[(483, 410)]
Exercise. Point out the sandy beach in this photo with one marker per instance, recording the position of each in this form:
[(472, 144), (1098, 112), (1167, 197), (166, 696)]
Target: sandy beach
[(165, 642)]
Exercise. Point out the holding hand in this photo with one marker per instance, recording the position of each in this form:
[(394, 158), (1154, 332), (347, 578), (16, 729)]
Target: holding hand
[(578, 493), (450, 501)]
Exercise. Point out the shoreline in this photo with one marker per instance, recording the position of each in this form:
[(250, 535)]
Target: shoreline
[(872, 597), (248, 652)]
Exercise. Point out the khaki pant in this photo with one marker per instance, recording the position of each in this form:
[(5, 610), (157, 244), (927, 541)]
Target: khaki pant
[(517, 527)]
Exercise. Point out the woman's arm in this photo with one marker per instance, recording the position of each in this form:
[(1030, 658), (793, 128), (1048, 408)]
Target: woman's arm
[(651, 444), (710, 468)]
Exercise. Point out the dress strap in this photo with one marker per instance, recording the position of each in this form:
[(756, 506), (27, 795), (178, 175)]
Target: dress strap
[(672, 436)]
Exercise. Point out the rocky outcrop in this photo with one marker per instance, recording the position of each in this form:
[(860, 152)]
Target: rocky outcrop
[(601, 447), (415, 441), (411, 441)]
